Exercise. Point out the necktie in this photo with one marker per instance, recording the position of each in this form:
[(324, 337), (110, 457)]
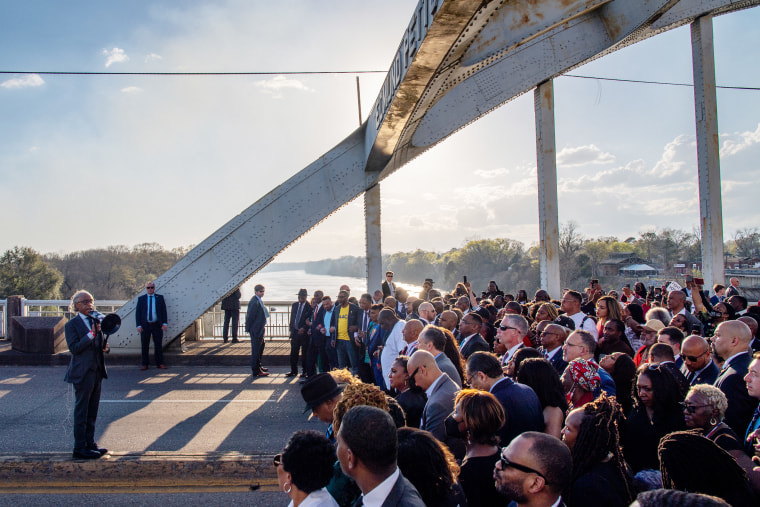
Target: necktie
[(691, 376), (298, 314), (150, 308), (366, 322), (91, 321), (266, 312)]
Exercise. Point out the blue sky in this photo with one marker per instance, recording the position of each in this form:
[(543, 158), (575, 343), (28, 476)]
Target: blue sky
[(171, 159)]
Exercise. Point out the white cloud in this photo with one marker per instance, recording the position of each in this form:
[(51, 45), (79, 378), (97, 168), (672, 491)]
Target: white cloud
[(115, 55), (739, 141), (277, 84), (27, 81), (583, 155), (491, 173), (131, 89), (674, 156), (152, 57)]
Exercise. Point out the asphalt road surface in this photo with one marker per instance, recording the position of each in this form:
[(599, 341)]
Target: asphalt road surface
[(185, 409)]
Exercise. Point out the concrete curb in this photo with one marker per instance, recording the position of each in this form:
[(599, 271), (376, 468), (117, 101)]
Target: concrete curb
[(127, 472)]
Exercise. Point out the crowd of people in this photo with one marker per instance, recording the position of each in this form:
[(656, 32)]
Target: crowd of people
[(581, 398)]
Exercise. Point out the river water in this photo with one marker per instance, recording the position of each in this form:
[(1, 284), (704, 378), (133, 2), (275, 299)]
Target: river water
[(284, 285)]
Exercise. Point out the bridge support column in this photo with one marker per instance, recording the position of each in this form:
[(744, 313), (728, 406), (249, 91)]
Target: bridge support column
[(372, 229), (708, 155), (548, 218)]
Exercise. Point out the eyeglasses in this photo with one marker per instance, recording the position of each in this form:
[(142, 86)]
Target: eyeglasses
[(505, 463), (150, 287), (504, 328), (568, 344), (694, 359), (468, 380), (691, 408), (277, 460), (85, 301)]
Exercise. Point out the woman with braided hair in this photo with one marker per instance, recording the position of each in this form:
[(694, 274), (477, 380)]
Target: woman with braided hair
[(600, 475), (691, 462)]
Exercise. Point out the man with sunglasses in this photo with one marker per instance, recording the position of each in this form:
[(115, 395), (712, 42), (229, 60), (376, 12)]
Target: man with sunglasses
[(439, 388), (151, 321), (552, 337), (533, 470), (698, 366)]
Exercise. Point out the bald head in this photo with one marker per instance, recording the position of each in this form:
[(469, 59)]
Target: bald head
[(448, 320), (427, 311), (695, 352), (751, 323), (427, 369), (412, 330), (731, 337), (553, 336)]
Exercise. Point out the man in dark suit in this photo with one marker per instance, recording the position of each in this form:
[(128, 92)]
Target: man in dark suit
[(521, 405), (86, 371), (552, 337), (151, 320), (231, 307), (698, 366), (433, 340), (299, 338), (367, 451), (255, 323), (389, 288), (731, 341), (470, 329), (316, 350)]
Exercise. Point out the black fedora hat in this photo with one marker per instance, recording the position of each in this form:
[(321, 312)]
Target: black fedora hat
[(303, 292), (318, 389)]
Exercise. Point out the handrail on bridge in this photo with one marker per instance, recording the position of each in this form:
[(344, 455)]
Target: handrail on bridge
[(278, 326)]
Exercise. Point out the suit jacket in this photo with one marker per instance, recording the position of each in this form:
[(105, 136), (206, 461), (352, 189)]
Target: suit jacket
[(439, 405), (232, 302), (387, 289), (741, 405), (706, 376), (255, 318), (447, 367), (522, 408), (474, 344), (141, 313), (301, 324), (403, 494), (557, 361), (86, 354)]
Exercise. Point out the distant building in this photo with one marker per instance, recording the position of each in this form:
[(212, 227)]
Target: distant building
[(626, 264)]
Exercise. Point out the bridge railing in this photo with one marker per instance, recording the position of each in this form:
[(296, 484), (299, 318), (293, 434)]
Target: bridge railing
[(277, 326)]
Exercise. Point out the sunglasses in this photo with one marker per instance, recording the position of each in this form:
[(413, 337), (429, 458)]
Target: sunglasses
[(694, 359), (504, 328), (277, 460), (691, 408), (505, 463), (150, 287)]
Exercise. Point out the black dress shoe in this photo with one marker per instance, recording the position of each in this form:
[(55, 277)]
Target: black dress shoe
[(303, 375), (264, 369), (235, 340), (85, 454), (292, 374), (226, 340), (100, 450)]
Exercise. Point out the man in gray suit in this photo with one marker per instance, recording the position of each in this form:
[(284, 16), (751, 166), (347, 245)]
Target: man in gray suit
[(440, 390), (433, 340), (255, 322), (86, 371), (367, 451)]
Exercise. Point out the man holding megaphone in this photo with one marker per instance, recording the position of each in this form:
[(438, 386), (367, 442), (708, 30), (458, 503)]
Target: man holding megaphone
[(86, 371)]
